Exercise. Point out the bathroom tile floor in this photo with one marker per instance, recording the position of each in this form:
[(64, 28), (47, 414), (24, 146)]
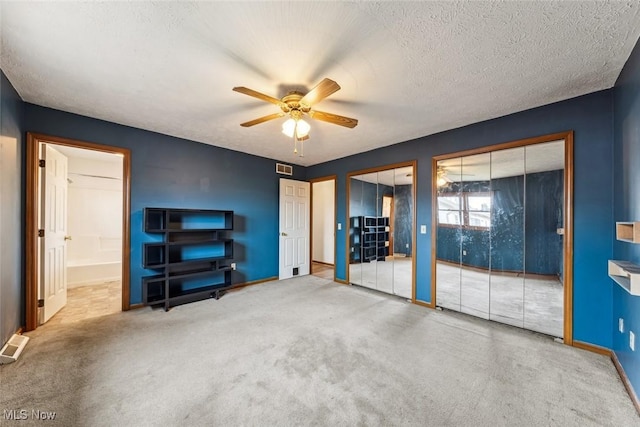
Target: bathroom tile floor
[(85, 302)]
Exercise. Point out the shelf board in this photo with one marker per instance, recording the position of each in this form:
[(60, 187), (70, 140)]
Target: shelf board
[(198, 260), (197, 273), (197, 242), (628, 231), (154, 266), (185, 230), (626, 274), (197, 294)]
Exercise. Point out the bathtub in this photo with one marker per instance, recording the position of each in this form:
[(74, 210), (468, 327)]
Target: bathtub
[(92, 272)]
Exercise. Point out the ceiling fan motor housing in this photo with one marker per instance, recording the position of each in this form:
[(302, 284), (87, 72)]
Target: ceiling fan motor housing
[(292, 101)]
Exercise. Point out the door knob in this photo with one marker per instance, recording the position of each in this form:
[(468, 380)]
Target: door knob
[(283, 234), (67, 237)]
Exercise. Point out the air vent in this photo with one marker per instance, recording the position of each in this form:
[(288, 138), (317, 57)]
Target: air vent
[(284, 169), (13, 348)]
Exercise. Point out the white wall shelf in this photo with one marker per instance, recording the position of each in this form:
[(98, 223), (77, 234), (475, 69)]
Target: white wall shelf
[(628, 231), (626, 274)]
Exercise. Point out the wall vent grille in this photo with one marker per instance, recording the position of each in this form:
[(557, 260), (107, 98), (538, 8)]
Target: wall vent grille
[(13, 348), (284, 169)]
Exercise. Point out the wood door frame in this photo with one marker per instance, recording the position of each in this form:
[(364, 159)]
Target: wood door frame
[(413, 164), (335, 217), (567, 248), (391, 219), (31, 214)]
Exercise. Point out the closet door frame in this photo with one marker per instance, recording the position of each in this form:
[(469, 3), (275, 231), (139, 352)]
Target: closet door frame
[(567, 249)]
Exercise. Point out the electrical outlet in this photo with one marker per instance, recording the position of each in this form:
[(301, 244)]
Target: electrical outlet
[(423, 229), (621, 325), (464, 253), (233, 265), (406, 246), (632, 341), (339, 226)]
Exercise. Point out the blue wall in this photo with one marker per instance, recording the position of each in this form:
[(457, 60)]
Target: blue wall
[(626, 167), (173, 172), (366, 198), (591, 119), (11, 198), (402, 219)]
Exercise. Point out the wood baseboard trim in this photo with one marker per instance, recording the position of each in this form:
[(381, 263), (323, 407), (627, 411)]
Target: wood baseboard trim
[(253, 282), (323, 263), (135, 306), (625, 381), (592, 348), (341, 281), (614, 358)]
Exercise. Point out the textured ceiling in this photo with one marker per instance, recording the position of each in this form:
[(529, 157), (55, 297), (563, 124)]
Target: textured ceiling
[(407, 69)]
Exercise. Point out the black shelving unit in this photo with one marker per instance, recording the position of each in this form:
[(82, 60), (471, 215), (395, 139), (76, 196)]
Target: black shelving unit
[(193, 260), (368, 238), (355, 239)]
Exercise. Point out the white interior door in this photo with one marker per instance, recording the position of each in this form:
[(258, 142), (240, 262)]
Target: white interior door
[(294, 228), (53, 255)]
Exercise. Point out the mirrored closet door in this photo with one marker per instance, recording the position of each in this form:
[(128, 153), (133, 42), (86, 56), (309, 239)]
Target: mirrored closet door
[(381, 229), (500, 228)]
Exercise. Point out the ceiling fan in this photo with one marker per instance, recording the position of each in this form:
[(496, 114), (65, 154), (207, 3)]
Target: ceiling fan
[(296, 105), (442, 177)]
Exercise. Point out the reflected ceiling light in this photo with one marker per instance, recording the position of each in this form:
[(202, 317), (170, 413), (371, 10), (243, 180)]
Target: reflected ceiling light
[(441, 176)]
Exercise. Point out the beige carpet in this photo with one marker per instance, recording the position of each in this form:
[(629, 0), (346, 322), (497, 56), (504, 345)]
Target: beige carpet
[(307, 351)]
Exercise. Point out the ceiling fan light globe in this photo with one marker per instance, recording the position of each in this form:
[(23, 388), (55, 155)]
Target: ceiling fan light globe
[(302, 129), (441, 181), (288, 127)]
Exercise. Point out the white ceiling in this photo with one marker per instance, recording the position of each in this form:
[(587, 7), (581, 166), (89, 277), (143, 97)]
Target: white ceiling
[(407, 69), (81, 153)]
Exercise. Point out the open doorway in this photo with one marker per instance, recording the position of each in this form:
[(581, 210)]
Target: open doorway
[(323, 224), (94, 230), (77, 230)]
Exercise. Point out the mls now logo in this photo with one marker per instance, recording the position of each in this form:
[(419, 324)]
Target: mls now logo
[(16, 414), (23, 414)]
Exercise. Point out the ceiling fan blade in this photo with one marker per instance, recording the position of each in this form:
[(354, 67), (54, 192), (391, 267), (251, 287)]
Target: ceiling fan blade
[(333, 118), (323, 89), (262, 119), (262, 96)]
